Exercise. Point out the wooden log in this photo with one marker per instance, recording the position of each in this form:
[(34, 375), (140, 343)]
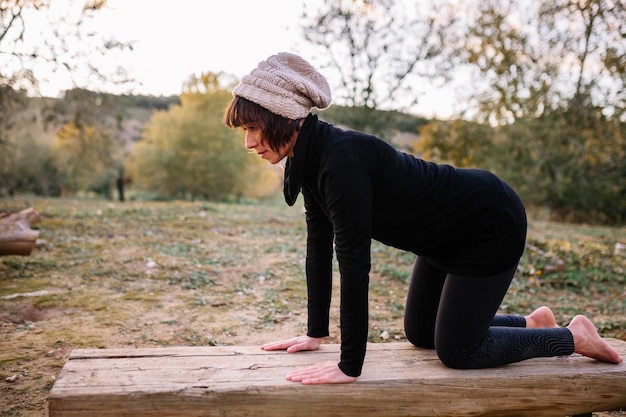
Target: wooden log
[(16, 235), (398, 380)]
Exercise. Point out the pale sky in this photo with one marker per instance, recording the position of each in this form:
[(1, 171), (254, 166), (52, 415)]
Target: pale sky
[(174, 40)]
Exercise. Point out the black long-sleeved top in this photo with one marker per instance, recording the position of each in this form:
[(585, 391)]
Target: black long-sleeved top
[(357, 187)]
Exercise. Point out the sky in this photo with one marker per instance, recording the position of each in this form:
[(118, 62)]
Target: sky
[(174, 40)]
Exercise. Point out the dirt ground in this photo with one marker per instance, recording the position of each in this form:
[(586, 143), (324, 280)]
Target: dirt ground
[(135, 274), (143, 275)]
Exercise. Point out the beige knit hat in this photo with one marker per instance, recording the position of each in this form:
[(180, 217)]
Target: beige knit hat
[(287, 85)]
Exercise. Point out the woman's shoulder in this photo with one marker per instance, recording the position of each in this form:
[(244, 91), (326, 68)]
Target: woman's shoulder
[(337, 138)]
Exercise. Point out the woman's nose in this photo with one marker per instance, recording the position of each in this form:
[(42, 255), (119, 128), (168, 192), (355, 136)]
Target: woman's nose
[(251, 141)]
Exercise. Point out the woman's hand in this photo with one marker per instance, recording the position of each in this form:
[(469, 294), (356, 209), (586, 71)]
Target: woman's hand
[(295, 344), (321, 373)]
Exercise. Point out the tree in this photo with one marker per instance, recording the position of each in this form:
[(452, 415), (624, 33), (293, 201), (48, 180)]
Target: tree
[(88, 150), (187, 151), (379, 53), (548, 77), (83, 156), (512, 74), (457, 142), (39, 35), (26, 166), (36, 38), (11, 103), (538, 56), (591, 35)]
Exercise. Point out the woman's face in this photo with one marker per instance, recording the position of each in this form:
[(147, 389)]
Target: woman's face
[(255, 142)]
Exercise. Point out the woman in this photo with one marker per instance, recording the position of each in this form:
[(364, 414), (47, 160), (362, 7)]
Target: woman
[(466, 226)]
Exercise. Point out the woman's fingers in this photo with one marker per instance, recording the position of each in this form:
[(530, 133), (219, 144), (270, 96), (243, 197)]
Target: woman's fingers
[(294, 344), (279, 345), (320, 373)]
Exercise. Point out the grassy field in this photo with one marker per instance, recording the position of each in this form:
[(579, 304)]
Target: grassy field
[(148, 274)]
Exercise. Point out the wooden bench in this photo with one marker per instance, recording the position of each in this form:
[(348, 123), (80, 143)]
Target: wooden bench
[(398, 380)]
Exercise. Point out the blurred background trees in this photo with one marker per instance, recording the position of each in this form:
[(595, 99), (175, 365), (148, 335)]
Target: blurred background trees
[(549, 82), (32, 45), (379, 55), (188, 152), (540, 88)]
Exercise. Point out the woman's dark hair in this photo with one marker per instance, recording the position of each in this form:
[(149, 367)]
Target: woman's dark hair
[(276, 130)]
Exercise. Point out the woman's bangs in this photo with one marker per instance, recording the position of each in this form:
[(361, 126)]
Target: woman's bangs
[(242, 112)]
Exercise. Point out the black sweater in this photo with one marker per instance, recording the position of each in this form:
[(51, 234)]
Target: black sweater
[(357, 187)]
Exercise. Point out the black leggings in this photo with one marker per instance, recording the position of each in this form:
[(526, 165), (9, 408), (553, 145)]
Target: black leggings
[(456, 315)]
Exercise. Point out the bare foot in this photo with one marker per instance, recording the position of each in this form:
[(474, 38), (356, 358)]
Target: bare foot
[(542, 318), (588, 342)]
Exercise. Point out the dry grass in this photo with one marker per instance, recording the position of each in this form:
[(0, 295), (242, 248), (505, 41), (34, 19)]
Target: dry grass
[(179, 273)]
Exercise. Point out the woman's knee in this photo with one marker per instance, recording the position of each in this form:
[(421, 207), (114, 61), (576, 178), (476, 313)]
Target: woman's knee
[(420, 333), (457, 357), (419, 340), (458, 350)]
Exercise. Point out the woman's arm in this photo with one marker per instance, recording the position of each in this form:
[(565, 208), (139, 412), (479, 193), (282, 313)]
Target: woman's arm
[(319, 280), (347, 186), (319, 255)]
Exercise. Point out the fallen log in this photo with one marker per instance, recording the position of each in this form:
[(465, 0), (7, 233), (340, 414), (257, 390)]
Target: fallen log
[(398, 380), (16, 235)]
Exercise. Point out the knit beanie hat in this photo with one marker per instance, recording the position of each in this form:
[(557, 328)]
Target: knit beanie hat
[(287, 85)]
